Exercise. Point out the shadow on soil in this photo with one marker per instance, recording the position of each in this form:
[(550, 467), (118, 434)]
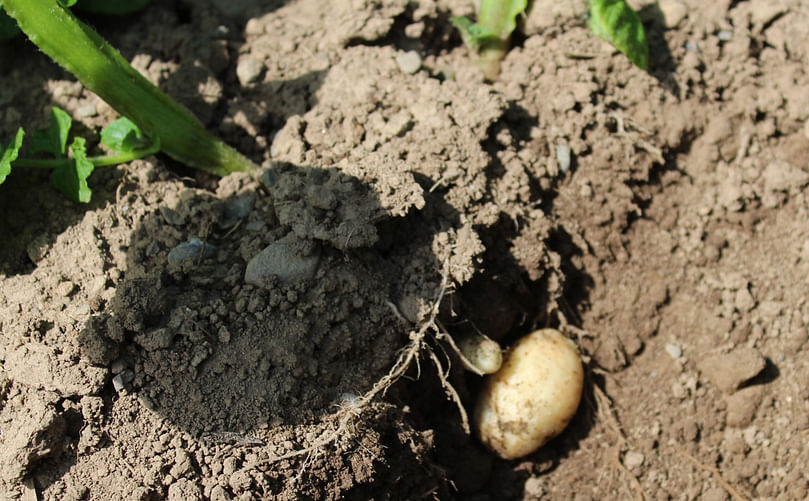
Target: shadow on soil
[(219, 342), (662, 64), (35, 214), (225, 360)]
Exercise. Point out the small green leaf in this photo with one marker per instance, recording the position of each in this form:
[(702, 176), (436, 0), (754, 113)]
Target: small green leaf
[(71, 177), (53, 140), (10, 154), (467, 30), (473, 35), (616, 22), (499, 17), (489, 37), (123, 136)]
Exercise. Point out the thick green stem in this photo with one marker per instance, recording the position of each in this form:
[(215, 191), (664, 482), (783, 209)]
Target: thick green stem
[(80, 50), (497, 16)]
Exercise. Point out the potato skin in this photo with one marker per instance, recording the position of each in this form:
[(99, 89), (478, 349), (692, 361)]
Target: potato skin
[(482, 352), (533, 396)]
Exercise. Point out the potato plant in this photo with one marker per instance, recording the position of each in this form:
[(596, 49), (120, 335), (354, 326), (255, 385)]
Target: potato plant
[(613, 20), (489, 37), (616, 22), (155, 122)]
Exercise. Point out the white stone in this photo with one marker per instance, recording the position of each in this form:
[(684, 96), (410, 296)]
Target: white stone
[(633, 459), (248, 69), (409, 62), (674, 351)]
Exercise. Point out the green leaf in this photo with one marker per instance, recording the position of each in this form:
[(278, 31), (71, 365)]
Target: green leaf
[(71, 177), (496, 21), (499, 17), (123, 136), (10, 154), (616, 22), (473, 35), (53, 140), (467, 29), (489, 37), (104, 71)]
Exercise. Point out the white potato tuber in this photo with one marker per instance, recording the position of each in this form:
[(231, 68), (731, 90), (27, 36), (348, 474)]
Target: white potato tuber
[(481, 354), (533, 396)]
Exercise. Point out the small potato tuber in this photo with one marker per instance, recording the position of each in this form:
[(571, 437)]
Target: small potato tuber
[(533, 396), (481, 354)]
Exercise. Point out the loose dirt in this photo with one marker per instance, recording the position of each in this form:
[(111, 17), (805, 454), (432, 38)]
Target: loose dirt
[(185, 337)]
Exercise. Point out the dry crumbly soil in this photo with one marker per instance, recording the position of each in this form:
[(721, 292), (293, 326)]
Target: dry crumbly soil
[(658, 218)]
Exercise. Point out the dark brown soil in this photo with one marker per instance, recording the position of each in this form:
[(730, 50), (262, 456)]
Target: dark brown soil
[(672, 247)]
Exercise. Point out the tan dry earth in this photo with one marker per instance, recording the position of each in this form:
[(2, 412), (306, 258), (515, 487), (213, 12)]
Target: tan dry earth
[(673, 247)]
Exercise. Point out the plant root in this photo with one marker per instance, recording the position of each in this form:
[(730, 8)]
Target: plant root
[(344, 418), (734, 493), (605, 409), (636, 139)]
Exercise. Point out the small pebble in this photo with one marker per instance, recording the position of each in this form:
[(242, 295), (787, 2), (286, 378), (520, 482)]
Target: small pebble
[(240, 207), (283, 259), (409, 62), (563, 158), (674, 351), (247, 70), (633, 459), (192, 250), (120, 381)]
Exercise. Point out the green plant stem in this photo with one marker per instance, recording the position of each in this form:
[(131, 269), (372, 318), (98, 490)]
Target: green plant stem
[(496, 16), (489, 37), (98, 161), (82, 51)]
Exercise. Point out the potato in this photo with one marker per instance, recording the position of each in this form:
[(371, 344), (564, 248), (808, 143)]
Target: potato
[(533, 396), (483, 353)]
